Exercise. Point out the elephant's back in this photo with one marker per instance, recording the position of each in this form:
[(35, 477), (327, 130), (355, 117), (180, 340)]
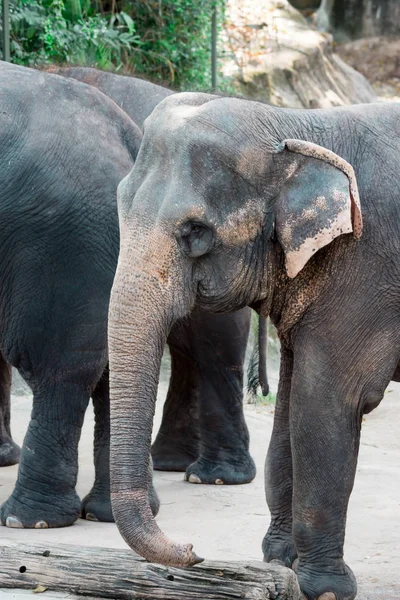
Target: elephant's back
[(137, 97), (63, 118)]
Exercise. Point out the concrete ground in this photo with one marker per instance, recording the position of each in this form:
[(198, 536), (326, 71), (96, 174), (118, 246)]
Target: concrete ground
[(229, 522)]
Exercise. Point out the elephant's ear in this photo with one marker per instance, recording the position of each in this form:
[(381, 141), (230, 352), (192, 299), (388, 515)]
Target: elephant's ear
[(318, 202)]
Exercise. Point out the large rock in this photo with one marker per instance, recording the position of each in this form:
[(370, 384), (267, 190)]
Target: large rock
[(276, 57)]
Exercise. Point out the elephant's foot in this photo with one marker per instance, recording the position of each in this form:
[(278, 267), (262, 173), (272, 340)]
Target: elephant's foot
[(27, 511), (278, 546), (232, 472), (9, 452), (170, 455), (330, 581), (96, 505)]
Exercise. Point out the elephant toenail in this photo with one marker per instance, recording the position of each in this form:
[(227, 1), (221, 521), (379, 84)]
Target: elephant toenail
[(194, 478), (41, 525), (328, 596), (14, 522), (91, 517), (219, 482)]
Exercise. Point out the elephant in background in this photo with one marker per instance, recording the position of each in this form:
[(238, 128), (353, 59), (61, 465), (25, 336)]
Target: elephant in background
[(297, 214), (64, 148), (59, 246)]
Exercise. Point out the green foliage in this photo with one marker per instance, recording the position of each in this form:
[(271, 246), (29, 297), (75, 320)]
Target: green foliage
[(166, 40), (47, 32), (175, 40)]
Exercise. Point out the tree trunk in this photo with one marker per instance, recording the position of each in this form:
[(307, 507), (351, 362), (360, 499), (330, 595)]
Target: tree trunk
[(109, 573)]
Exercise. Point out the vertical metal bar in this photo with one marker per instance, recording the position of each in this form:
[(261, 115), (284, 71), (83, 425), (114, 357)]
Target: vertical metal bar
[(6, 30), (214, 48)]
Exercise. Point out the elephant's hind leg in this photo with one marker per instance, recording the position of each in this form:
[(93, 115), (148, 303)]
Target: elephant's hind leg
[(220, 345), (96, 505), (177, 444), (203, 431), (9, 450)]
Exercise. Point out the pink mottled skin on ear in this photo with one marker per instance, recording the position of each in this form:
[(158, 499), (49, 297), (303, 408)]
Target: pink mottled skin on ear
[(347, 221), (315, 151)]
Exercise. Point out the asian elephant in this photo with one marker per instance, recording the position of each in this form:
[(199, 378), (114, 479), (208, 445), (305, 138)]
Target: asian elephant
[(243, 204), (64, 148), (203, 431)]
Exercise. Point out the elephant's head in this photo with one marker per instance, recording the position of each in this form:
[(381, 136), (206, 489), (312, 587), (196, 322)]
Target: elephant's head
[(215, 189)]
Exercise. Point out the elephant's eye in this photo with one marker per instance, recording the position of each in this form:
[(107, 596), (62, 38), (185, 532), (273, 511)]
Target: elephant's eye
[(196, 239)]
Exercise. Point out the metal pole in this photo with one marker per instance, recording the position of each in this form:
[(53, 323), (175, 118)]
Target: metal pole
[(6, 31), (213, 48)]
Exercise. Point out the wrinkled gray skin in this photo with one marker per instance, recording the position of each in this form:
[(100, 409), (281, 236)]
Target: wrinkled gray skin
[(225, 212)]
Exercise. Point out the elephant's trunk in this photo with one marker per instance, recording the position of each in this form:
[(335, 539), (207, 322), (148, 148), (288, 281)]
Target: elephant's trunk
[(141, 313)]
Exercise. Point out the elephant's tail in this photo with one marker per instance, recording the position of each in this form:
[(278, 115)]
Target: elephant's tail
[(257, 375)]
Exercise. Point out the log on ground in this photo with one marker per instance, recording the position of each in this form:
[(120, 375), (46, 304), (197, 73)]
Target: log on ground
[(110, 573)]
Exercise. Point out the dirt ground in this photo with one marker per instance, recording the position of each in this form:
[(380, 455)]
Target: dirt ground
[(229, 522)]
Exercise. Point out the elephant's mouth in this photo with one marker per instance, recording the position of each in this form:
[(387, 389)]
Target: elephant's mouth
[(227, 287)]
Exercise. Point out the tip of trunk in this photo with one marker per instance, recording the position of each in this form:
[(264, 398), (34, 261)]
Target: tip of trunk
[(181, 556), (163, 551), (141, 532)]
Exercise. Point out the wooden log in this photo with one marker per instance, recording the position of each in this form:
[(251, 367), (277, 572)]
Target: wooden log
[(111, 573)]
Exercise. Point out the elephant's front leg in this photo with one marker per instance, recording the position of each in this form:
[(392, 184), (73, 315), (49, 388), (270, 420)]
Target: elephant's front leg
[(44, 494), (329, 393), (9, 450), (220, 344), (278, 543)]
